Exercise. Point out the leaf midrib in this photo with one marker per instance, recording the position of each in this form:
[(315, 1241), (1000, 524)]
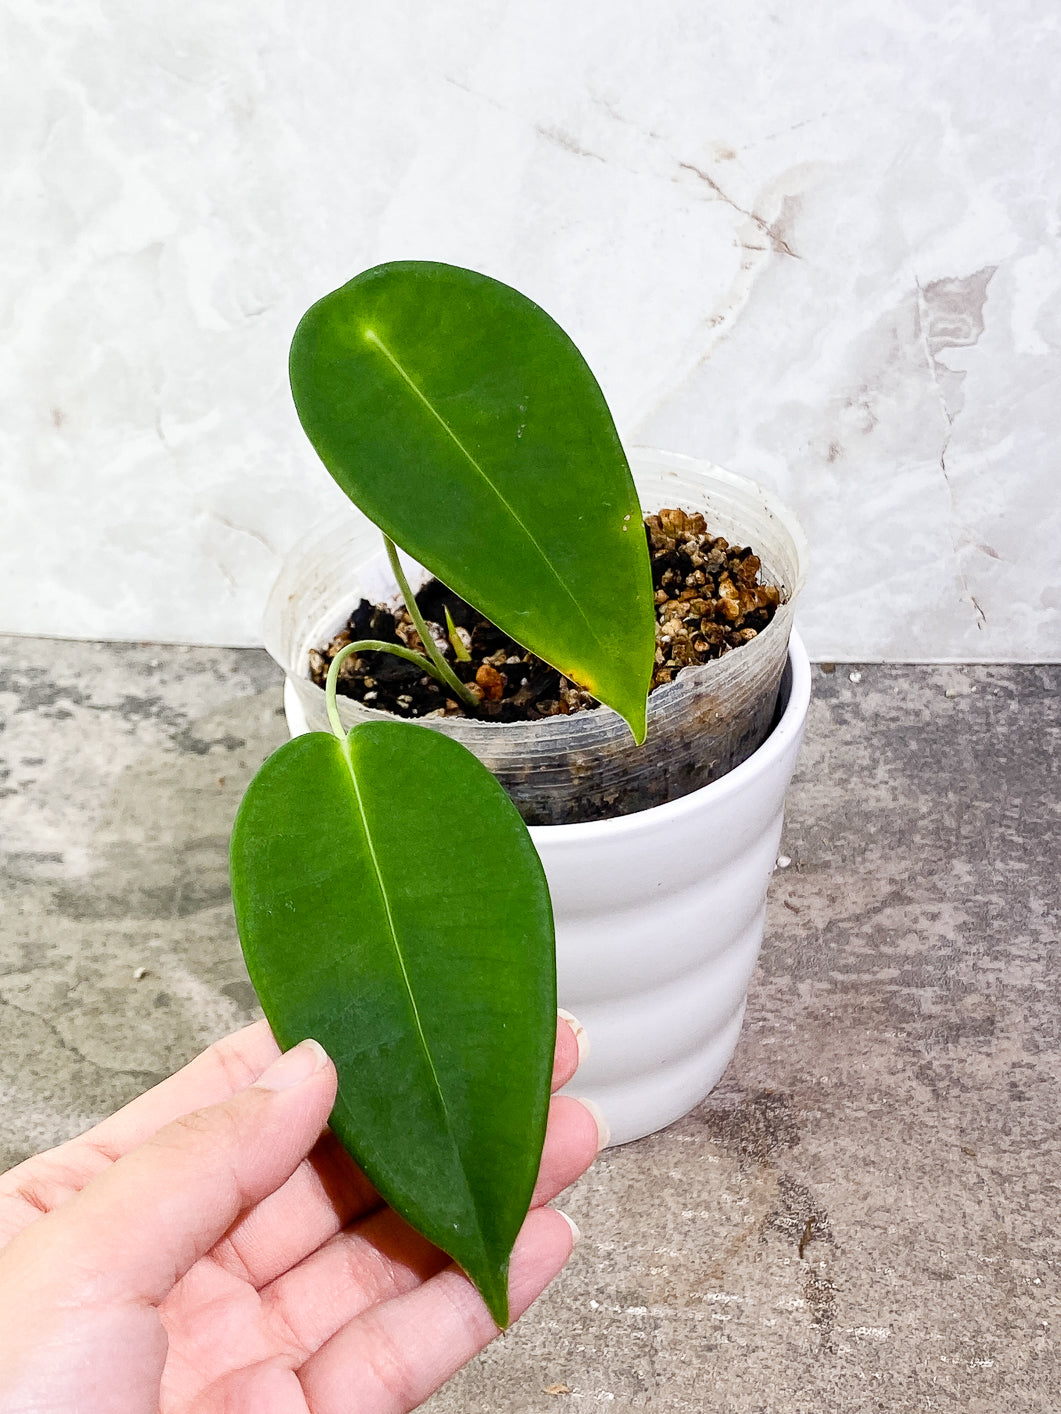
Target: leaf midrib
[(391, 928), (373, 338)]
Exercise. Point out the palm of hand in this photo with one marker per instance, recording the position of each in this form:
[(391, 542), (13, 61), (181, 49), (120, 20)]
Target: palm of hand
[(316, 1289), (290, 1275)]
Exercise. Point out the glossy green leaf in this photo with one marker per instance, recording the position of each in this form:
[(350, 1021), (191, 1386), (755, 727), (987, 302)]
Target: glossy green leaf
[(391, 904), (462, 420)]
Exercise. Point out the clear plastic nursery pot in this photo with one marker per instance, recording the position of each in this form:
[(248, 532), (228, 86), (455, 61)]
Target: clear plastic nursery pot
[(566, 770), (659, 871)]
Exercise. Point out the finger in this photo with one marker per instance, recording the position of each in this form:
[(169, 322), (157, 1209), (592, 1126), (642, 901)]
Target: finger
[(381, 1257), (140, 1225), (572, 1048), (576, 1134), (328, 1191), (221, 1071), (325, 1193), (48, 1180), (406, 1348)]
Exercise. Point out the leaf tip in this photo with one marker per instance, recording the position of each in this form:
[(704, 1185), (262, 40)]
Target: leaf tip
[(495, 1294), (637, 721), (489, 1275)]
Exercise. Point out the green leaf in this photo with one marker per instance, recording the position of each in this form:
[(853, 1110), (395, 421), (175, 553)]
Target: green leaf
[(462, 420), (391, 904)]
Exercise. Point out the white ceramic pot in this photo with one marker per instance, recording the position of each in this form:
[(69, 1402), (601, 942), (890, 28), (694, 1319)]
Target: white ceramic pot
[(659, 913), (659, 920)]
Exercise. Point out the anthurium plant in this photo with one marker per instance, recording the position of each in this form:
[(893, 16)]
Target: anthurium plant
[(388, 896)]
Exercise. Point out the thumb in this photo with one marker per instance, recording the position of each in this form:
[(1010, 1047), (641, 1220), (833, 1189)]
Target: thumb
[(141, 1224)]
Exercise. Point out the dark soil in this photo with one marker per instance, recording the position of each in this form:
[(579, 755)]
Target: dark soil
[(708, 602)]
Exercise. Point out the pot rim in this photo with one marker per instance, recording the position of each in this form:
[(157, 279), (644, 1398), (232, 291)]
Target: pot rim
[(760, 761), (316, 540)]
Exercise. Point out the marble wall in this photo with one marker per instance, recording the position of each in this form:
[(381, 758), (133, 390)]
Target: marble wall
[(816, 243)]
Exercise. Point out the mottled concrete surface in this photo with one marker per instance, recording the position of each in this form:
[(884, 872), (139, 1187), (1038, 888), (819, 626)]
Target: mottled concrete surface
[(865, 1214)]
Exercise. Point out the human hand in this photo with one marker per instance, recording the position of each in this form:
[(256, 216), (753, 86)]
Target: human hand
[(208, 1248)]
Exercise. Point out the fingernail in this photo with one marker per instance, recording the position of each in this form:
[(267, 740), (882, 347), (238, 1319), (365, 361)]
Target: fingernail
[(581, 1039), (294, 1066), (604, 1132), (576, 1235)]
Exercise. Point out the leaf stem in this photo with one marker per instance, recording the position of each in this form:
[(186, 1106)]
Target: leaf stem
[(371, 645), (329, 689), (440, 668)]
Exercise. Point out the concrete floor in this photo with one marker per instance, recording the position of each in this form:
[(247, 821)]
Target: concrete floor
[(864, 1216)]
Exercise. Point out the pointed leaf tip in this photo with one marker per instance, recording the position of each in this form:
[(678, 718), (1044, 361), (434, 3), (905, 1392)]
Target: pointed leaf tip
[(468, 426), (638, 724), (390, 903)]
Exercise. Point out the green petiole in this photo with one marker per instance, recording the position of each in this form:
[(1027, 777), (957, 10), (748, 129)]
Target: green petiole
[(364, 645), (439, 668), (432, 662)]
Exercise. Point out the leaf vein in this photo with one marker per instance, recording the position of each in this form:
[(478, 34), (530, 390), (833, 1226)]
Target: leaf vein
[(392, 928), (373, 338)]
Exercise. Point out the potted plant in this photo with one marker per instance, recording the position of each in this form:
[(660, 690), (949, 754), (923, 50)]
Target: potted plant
[(465, 424)]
